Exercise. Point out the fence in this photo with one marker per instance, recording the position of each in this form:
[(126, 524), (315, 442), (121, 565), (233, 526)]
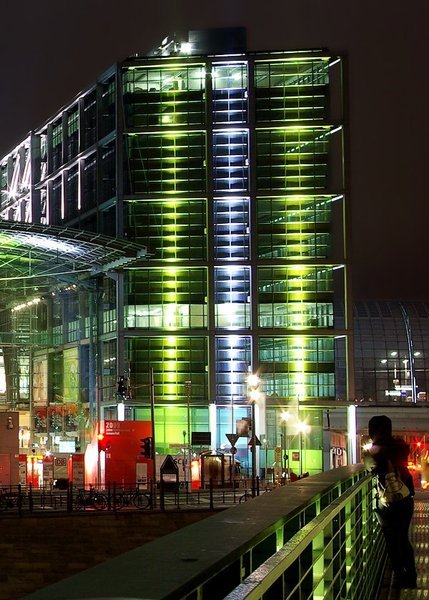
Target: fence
[(123, 497), (314, 539)]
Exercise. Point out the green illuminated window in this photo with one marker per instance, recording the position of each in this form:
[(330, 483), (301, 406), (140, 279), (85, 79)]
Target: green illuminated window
[(171, 421), (174, 359), (167, 298), (172, 163), (294, 227), (298, 367), (292, 159), (291, 91), (168, 97), (174, 229), (295, 297)]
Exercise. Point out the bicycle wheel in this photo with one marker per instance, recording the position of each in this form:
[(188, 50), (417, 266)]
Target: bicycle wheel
[(140, 500), (244, 498), (119, 501), (79, 503), (99, 501)]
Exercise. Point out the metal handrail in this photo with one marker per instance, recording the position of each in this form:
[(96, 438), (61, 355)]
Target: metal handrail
[(273, 569), (314, 539)]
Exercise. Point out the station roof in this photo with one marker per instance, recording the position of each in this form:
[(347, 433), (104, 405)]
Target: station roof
[(34, 259)]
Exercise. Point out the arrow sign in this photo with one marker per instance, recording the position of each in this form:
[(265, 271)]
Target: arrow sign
[(232, 438), (257, 441)]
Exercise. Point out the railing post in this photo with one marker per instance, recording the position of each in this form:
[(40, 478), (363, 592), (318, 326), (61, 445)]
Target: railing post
[(30, 498), (109, 497), (257, 485), (161, 494), (70, 496), (114, 496), (19, 499), (211, 494)]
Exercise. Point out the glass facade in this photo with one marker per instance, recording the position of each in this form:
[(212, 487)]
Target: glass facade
[(391, 352), (229, 169)]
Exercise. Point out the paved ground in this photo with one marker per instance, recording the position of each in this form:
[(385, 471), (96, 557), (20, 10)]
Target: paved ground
[(420, 539)]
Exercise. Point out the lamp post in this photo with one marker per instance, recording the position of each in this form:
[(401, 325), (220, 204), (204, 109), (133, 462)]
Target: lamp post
[(253, 395), (285, 416), (188, 386)]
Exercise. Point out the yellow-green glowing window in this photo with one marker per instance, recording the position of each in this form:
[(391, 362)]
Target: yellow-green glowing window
[(170, 298), (175, 360), (164, 97), (174, 228), (171, 163), (295, 91)]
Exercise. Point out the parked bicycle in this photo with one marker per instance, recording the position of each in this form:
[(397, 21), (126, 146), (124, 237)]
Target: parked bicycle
[(10, 500), (136, 498), (90, 499)]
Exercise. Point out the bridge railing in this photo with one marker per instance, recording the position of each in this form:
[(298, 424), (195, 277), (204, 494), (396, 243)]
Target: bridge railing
[(317, 538)]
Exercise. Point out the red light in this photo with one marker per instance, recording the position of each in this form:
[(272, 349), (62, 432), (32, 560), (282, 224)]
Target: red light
[(102, 443)]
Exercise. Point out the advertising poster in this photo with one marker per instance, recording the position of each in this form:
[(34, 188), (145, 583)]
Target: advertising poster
[(123, 451), (71, 374), (40, 381)]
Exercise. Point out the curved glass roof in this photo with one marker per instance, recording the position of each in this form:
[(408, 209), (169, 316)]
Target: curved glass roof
[(36, 258)]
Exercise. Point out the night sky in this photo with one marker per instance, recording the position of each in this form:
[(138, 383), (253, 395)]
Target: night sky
[(51, 49)]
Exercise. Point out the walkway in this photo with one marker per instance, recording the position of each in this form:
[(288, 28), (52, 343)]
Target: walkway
[(420, 540)]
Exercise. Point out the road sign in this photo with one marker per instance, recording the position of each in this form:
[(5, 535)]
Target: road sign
[(257, 441), (233, 450), (278, 454), (232, 438)]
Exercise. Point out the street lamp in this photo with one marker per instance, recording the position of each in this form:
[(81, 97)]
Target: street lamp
[(188, 387), (302, 427), (253, 395), (285, 417)]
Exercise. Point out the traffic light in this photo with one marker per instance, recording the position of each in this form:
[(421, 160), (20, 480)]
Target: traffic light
[(122, 387), (146, 447), (102, 443)]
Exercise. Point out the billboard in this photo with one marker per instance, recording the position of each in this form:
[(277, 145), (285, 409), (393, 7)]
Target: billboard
[(124, 461)]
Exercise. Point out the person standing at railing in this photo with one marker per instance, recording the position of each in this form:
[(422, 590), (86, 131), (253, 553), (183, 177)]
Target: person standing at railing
[(387, 458)]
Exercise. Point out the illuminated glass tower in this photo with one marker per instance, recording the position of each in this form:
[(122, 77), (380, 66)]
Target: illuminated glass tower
[(229, 166)]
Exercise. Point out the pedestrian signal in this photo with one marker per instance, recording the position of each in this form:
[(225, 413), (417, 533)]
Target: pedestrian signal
[(146, 447)]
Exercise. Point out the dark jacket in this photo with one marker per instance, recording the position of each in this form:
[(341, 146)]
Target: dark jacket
[(394, 450)]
